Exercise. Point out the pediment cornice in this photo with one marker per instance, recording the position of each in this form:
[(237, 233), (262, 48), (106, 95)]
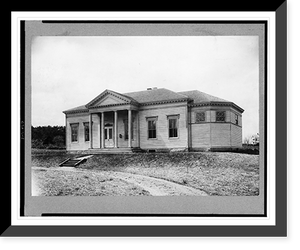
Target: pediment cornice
[(119, 100)]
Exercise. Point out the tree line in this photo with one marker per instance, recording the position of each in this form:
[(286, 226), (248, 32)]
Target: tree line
[(48, 137)]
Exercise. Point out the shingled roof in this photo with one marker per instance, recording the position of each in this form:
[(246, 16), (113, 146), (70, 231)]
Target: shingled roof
[(162, 95), (155, 95), (199, 97), (78, 109)]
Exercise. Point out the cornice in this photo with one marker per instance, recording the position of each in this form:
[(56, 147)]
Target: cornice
[(113, 105), (164, 102), (230, 104), (109, 92), (76, 111)]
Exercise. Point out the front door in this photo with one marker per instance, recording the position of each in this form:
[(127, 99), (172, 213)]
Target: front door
[(108, 133)]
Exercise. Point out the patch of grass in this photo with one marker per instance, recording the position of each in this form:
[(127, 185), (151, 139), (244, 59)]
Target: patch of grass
[(216, 173), (62, 183)]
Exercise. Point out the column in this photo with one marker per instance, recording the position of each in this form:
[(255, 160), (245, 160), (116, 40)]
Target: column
[(129, 128), (99, 130), (102, 129), (138, 128), (116, 129), (91, 131)]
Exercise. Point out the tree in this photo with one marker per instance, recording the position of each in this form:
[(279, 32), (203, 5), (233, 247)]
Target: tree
[(44, 136), (58, 140), (255, 139)]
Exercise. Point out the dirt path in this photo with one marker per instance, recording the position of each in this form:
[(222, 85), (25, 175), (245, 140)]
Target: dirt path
[(155, 186)]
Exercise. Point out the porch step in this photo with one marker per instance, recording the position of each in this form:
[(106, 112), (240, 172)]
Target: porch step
[(72, 162), (110, 150)]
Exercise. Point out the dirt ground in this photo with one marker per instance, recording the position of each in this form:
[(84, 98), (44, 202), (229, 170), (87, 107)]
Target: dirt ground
[(211, 173)]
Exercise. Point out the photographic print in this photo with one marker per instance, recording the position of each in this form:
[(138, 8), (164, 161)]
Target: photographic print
[(145, 115), (155, 126)]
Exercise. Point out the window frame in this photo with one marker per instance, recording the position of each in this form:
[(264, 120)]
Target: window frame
[(220, 111), (86, 125), (176, 118), (198, 113), (152, 119), (73, 125), (236, 118)]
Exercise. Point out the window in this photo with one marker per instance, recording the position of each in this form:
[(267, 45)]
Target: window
[(86, 131), (200, 117), (74, 132), (173, 126), (152, 129), (236, 119), (220, 116), (126, 129)]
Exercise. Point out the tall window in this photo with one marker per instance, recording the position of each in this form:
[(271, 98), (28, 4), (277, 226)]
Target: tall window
[(200, 117), (151, 128), (220, 116), (126, 128), (86, 131), (74, 132), (173, 126)]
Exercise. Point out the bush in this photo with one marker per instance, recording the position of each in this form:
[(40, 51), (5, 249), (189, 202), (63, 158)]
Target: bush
[(48, 137)]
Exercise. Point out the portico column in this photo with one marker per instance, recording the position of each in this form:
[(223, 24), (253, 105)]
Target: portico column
[(129, 128), (138, 128), (102, 129), (116, 129), (91, 131)]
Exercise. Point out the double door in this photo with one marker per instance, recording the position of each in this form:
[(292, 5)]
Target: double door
[(108, 137)]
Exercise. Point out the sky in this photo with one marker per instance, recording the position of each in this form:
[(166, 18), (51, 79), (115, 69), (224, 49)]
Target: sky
[(69, 71)]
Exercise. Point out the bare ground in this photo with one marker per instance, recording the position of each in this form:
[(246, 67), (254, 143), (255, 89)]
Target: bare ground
[(134, 184)]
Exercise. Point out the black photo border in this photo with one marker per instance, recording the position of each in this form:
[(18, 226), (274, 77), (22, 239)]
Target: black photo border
[(280, 229)]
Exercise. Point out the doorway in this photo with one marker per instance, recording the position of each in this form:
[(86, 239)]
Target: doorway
[(108, 136)]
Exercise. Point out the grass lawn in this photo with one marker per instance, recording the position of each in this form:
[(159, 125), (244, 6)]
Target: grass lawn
[(61, 183), (223, 174)]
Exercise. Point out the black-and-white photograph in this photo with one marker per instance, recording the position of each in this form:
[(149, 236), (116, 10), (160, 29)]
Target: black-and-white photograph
[(148, 124), (148, 115)]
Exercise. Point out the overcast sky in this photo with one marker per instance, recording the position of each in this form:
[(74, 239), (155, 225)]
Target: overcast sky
[(69, 71)]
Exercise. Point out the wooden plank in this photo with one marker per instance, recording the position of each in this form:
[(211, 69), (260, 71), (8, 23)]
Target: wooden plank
[(60, 164)]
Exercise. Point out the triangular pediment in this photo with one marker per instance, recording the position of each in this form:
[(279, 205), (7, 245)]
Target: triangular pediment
[(108, 98)]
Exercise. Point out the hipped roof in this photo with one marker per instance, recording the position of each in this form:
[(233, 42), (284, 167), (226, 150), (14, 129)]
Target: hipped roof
[(155, 96)]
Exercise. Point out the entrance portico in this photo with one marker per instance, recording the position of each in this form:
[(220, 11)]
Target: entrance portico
[(113, 115), (115, 129)]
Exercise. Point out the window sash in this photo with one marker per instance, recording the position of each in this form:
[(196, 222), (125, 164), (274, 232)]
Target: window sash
[(220, 116), (200, 117), (236, 119), (173, 127), (86, 131), (152, 129), (74, 132)]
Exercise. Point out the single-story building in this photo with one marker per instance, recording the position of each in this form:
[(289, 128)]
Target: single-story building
[(156, 119)]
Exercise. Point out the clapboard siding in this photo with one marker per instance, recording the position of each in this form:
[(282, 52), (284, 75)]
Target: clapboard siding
[(236, 136), (80, 144), (162, 134), (206, 134), (220, 134), (200, 135), (123, 116)]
